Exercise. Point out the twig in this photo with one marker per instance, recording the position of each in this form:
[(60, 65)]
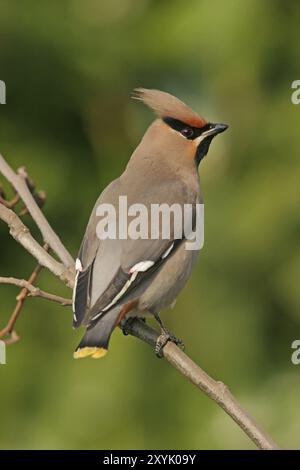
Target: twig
[(215, 390), (10, 204), (21, 297), (34, 291), (39, 197), (14, 338), (18, 181), (28, 289), (22, 235)]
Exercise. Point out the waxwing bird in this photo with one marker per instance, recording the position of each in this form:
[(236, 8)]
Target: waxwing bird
[(123, 277)]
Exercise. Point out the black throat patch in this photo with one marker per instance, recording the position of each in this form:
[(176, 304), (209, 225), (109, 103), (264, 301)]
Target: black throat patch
[(191, 133)]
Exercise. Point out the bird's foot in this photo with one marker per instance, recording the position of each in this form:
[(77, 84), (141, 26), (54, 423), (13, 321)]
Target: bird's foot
[(163, 339)]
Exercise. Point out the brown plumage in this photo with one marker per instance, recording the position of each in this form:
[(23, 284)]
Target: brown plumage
[(166, 105), (138, 276)]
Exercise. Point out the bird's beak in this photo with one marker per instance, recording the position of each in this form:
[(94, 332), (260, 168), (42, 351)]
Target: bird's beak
[(215, 129)]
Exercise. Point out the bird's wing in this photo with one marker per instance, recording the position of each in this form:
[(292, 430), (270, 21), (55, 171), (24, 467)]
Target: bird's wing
[(117, 267), (89, 248)]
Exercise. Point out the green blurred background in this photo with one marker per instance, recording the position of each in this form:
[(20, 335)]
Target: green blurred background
[(70, 67)]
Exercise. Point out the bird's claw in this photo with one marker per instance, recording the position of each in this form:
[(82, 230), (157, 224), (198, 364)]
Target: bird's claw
[(163, 339)]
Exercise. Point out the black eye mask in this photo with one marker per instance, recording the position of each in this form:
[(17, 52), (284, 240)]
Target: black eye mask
[(187, 131)]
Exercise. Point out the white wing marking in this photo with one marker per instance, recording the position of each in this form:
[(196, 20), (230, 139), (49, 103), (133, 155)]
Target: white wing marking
[(167, 252), (78, 265), (74, 293), (142, 266)]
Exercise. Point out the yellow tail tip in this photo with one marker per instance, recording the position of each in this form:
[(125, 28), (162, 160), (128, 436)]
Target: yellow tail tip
[(94, 352)]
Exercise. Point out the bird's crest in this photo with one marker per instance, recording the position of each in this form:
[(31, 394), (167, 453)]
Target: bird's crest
[(166, 105)]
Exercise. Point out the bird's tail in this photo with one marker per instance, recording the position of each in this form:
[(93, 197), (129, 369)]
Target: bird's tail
[(96, 339)]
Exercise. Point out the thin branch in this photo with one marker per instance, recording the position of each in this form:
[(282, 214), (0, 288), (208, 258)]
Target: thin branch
[(21, 297), (215, 390), (12, 203), (22, 235), (34, 291), (18, 181), (8, 333), (14, 338)]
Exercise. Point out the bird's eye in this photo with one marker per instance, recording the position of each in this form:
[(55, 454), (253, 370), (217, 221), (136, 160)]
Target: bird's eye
[(187, 132)]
